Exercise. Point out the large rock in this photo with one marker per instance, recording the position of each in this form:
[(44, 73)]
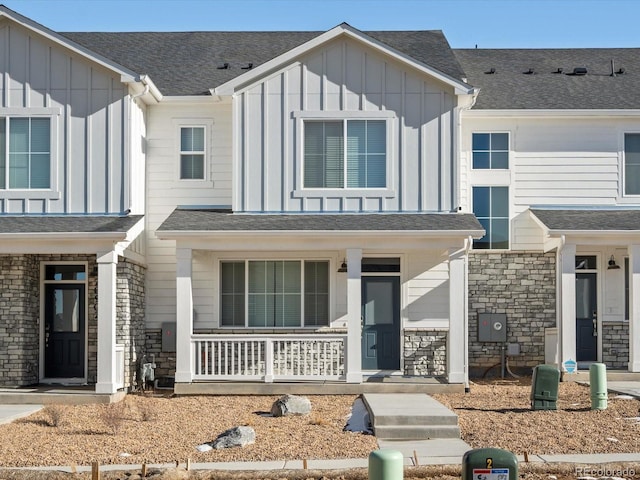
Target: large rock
[(291, 405), (235, 437)]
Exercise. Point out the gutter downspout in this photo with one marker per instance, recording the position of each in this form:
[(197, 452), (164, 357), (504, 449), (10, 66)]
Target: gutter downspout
[(457, 112), (467, 249)]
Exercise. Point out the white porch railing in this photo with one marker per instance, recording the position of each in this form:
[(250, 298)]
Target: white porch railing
[(268, 358)]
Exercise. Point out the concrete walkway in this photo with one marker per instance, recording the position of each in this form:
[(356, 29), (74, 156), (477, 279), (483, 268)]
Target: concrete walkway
[(9, 413)]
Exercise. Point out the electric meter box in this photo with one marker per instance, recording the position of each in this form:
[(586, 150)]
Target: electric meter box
[(492, 327), (489, 464), (169, 337), (544, 387)]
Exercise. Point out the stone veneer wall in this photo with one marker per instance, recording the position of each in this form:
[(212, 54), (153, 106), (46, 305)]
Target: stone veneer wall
[(523, 286), (615, 345), (19, 326), (130, 316), (425, 352), (165, 361)]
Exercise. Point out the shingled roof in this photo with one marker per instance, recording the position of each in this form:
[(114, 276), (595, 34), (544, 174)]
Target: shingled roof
[(188, 63), (67, 224), (589, 220), (511, 86)]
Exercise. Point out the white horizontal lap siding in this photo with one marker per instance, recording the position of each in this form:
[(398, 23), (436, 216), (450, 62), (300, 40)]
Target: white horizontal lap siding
[(166, 191), (348, 79), (90, 164), (427, 291)]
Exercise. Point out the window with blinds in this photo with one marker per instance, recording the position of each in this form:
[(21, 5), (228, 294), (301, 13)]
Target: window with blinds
[(192, 148), (274, 293), (25, 153), (345, 154)]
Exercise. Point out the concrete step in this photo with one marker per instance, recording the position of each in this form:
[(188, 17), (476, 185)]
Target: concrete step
[(424, 419), (415, 432)]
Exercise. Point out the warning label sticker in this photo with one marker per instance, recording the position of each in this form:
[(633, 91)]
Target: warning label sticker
[(490, 474)]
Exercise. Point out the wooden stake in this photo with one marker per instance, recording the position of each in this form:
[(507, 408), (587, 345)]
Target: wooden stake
[(144, 470), (415, 458), (304, 464), (526, 457), (73, 468), (95, 471), (188, 466)]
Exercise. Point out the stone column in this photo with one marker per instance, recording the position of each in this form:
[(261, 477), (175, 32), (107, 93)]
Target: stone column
[(634, 308), (184, 315), (456, 352), (354, 316), (567, 310), (106, 378)]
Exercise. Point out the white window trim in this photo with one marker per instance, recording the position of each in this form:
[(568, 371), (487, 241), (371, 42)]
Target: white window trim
[(85, 282), (300, 117), (207, 124), (509, 218), (509, 151), (331, 267), (624, 197), (51, 193)]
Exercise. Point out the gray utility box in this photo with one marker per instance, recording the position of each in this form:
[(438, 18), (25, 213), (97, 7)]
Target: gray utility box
[(169, 337), (492, 327)]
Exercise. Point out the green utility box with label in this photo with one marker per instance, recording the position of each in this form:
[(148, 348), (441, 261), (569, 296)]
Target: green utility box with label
[(544, 387), (489, 464)]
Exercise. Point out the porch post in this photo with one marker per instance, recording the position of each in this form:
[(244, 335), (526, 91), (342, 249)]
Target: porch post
[(457, 316), (567, 310), (634, 308), (184, 315), (354, 315), (106, 378)]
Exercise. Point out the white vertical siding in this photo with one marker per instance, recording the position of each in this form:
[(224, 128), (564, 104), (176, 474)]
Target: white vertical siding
[(427, 290)]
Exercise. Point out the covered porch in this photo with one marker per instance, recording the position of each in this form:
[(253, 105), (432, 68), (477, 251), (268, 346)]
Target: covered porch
[(344, 263), (598, 285)]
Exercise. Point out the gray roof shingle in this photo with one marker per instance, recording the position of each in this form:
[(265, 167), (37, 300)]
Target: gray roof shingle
[(66, 224), (187, 63), (589, 220), (216, 221), (510, 88)]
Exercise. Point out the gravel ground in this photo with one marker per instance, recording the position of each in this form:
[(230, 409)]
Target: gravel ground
[(161, 430)]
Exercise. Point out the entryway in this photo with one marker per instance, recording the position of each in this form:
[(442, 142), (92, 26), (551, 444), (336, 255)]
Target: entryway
[(586, 317), (380, 323)]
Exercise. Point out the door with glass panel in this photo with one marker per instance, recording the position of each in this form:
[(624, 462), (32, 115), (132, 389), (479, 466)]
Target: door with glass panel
[(381, 323), (586, 317), (64, 322)]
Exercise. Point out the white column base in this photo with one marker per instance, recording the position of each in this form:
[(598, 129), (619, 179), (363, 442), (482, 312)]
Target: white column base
[(106, 388), (106, 355)]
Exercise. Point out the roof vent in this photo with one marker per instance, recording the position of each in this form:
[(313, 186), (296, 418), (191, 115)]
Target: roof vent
[(580, 71), (491, 71), (248, 67), (224, 66), (620, 71), (559, 70), (531, 71)]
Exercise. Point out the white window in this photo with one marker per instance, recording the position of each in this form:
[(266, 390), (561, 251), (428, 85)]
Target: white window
[(491, 207), (274, 293), (632, 164), (350, 153), (192, 153), (25, 153)]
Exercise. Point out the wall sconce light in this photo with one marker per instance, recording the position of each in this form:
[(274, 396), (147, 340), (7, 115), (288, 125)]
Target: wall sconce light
[(612, 264), (343, 267)]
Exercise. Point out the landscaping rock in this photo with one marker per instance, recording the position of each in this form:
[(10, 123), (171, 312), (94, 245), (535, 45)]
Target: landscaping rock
[(235, 437), (291, 405)]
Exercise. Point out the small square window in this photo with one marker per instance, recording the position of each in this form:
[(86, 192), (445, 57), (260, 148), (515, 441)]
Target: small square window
[(192, 153), (490, 151)]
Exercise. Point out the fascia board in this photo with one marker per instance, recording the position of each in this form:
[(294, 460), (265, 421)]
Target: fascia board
[(247, 79), (551, 113), (67, 43), (180, 234), (111, 236), (595, 233)]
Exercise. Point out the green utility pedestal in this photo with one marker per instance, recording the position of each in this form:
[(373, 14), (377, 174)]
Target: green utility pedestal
[(598, 386), (385, 464), (489, 464), (544, 387)]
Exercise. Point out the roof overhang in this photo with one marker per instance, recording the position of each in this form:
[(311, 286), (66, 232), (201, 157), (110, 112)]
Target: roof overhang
[(550, 113), (248, 79)]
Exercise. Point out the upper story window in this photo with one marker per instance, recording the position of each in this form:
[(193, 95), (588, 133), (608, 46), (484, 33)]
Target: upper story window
[(274, 293), (192, 153), (345, 154), (632, 164), (490, 150), (25, 152), (491, 207)]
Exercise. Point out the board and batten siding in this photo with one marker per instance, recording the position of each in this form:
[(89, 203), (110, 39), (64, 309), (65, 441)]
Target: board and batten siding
[(165, 191), (89, 108), (565, 161), (345, 79)]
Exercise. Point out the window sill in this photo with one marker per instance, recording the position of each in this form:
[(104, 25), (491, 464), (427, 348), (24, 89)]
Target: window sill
[(30, 194), (343, 192)]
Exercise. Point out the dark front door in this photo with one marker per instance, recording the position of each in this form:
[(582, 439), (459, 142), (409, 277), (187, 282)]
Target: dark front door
[(64, 331), (380, 323), (586, 317)]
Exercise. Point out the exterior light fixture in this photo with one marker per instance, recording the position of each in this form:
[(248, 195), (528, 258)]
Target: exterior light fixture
[(612, 264), (343, 267)]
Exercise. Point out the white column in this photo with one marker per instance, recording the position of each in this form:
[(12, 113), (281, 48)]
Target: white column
[(457, 316), (634, 308), (567, 304), (354, 315), (184, 316), (106, 379)]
